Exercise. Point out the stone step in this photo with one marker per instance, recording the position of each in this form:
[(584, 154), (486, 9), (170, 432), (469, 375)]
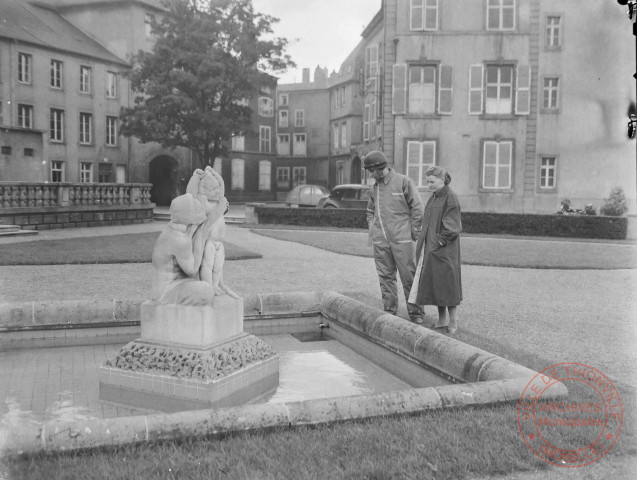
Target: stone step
[(15, 230)]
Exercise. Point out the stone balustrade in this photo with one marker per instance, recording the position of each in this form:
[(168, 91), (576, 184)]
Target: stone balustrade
[(40, 205), (33, 195)]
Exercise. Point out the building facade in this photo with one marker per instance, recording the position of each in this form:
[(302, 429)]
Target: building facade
[(303, 132), (523, 101), (62, 65), (60, 97)]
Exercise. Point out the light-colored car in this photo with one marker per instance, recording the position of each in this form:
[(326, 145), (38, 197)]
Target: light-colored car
[(347, 196), (305, 195)]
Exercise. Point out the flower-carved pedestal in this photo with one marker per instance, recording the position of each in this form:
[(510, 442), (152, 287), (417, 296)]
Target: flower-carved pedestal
[(191, 358)]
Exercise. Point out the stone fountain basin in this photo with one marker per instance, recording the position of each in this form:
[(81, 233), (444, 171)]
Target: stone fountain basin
[(468, 375)]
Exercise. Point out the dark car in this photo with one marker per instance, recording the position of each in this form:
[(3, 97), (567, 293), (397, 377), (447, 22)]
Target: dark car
[(347, 196), (305, 195)]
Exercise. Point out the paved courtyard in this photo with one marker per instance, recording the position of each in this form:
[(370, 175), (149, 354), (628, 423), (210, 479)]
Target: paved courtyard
[(542, 315)]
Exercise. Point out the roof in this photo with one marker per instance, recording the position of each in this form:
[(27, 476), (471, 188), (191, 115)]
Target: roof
[(38, 25), (61, 4)]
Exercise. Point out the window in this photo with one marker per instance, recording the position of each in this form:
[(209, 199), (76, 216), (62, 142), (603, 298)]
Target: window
[(299, 118), (6, 150), (550, 94), (24, 68), (104, 173), (369, 119), (553, 32), (148, 25), (501, 15), (56, 129), (265, 175), (111, 85), (265, 107), (237, 179), (283, 145), (86, 172), (371, 62), (111, 131), (86, 121), (120, 173), (28, 152), (283, 118), (422, 89), (340, 172), (25, 116), (283, 99), (497, 163), (244, 102), (299, 147), (337, 130), (283, 178), (85, 79), (56, 74), (57, 171), (264, 139), (491, 89), (547, 173), (238, 143), (339, 97), (298, 176), (423, 15), (343, 135), (420, 156)]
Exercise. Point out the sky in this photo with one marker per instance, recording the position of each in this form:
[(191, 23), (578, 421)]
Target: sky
[(319, 32)]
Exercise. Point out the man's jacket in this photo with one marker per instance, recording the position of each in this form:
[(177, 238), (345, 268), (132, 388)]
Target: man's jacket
[(394, 210)]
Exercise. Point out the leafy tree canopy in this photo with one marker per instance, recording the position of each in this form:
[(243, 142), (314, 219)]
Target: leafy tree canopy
[(208, 56)]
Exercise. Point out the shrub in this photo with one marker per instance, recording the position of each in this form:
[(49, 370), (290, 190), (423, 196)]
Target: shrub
[(615, 205)]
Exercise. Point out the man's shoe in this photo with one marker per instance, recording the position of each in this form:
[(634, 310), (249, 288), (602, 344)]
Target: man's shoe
[(418, 319), (452, 330)]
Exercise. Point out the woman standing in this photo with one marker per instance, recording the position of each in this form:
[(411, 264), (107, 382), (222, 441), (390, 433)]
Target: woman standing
[(437, 280)]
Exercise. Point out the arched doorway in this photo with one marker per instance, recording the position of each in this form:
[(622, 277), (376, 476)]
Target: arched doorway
[(163, 176), (355, 170)]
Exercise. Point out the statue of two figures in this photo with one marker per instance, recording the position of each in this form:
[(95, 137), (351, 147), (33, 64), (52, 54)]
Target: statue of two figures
[(189, 254)]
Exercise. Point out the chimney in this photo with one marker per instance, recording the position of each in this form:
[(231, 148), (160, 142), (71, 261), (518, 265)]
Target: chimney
[(306, 75)]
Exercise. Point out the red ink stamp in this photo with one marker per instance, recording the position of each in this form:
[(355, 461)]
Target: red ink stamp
[(575, 430)]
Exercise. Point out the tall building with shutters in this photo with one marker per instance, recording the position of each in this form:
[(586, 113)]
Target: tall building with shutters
[(524, 101)]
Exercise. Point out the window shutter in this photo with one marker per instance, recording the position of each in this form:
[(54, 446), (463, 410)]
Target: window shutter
[(445, 91), (476, 79), (399, 89), (523, 90)]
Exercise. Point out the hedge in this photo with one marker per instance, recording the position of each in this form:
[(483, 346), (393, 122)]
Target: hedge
[(573, 226)]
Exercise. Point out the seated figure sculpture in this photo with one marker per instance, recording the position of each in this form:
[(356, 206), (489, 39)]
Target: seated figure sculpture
[(177, 258), (208, 187), (189, 254)]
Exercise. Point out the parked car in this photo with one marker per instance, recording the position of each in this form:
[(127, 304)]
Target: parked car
[(346, 196), (305, 195)]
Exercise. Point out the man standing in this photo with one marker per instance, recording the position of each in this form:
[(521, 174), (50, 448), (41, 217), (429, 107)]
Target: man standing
[(394, 215)]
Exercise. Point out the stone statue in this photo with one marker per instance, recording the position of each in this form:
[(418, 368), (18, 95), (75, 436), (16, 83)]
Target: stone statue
[(188, 256)]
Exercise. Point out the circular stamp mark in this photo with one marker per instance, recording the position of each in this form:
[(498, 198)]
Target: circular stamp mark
[(573, 430)]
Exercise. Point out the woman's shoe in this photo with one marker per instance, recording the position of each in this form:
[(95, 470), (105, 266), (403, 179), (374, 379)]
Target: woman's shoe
[(439, 327), (452, 330)]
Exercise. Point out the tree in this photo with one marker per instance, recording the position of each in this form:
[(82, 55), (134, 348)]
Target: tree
[(615, 205), (207, 57)]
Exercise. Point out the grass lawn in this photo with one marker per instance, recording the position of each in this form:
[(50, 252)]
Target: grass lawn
[(519, 253), (438, 444), (129, 248)]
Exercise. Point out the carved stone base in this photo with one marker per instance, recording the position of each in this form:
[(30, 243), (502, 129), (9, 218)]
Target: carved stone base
[(170, 379), (191, 357)]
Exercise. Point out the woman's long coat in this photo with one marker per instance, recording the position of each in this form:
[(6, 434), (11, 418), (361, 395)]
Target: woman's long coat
[(439, 281)]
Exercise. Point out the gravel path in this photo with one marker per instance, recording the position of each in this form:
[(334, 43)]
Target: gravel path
[(536, 316)]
